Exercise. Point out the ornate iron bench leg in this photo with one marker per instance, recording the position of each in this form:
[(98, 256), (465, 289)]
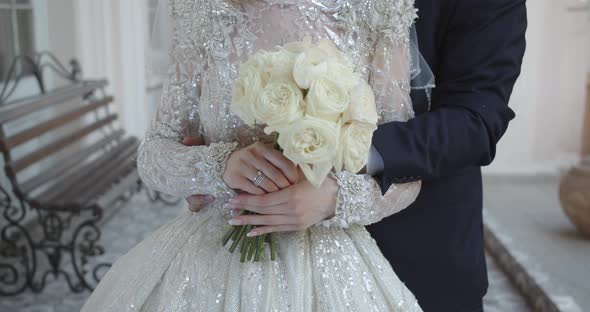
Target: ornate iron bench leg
[(27, 263), (15, 275)]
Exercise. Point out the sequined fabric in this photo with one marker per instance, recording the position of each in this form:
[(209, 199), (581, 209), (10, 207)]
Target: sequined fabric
[(360, 201), (335, 267)]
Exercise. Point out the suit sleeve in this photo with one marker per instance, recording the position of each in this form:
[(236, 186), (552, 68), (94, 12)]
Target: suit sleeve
[(481, 59)]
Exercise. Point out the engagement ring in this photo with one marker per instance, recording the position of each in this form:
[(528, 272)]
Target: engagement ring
[(258, 179)]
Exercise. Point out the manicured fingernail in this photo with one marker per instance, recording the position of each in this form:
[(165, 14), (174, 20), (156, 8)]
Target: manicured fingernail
[(251, 234), (232, 205), (235, 222)]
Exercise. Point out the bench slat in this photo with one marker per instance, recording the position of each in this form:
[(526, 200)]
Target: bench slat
[(19, 165), (67, 163), (57, 122), (23, 107), (100, 188), (91, 184), (67, 181)]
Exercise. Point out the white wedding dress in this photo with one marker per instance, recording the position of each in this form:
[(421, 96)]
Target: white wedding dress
[(334, 266)]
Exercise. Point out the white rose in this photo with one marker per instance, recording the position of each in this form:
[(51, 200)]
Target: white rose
[(311, 143), (254, 67), (342, 74), (310, 65), (340, 67), (326, 99), (280, 102), (355, 143), (246, 89), (362, 104), (278, 64), (333, 52)]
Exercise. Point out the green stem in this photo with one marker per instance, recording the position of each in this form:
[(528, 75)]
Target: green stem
[(238, 238), (228, 235), (252, 247), (258, 248), (262, 244), (273, 247), (245, 247), (245, 240), (236, 233), (276, 140), (231, 231)]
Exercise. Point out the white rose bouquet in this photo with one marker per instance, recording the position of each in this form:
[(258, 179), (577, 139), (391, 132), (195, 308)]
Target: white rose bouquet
[(321, 112)]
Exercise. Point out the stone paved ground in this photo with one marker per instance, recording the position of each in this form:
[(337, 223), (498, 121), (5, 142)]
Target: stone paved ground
[(502, 296), (140, 217), (531, 222)]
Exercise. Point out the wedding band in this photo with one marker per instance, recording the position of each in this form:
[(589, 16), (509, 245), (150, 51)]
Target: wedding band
[(258, 179)]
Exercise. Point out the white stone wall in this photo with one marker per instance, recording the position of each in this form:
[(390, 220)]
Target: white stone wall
[(549, 98)]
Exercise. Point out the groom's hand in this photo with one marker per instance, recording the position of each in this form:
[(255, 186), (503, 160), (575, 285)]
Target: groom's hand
[(295, 208), (196, 202)]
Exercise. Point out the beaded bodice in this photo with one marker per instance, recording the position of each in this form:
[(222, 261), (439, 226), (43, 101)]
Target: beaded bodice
[(212, 38)]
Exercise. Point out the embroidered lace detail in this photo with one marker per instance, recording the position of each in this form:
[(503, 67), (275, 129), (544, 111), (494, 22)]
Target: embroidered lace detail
[(360, 200), (170, 167), (354, 200), (182, 266), (213, 37)]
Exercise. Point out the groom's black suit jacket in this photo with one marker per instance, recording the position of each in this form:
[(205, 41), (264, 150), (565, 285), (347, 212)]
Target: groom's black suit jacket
[(475, 49)]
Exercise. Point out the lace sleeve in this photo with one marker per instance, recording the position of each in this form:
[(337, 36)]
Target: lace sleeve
[(360, 200), (165, 164)]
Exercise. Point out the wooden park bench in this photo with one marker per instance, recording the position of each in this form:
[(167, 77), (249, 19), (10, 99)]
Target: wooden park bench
[(67, 162)]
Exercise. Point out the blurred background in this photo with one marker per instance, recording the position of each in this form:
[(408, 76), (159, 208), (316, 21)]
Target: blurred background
[(59, 232)]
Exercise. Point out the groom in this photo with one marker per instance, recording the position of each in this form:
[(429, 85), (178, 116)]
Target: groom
[(475, 49)]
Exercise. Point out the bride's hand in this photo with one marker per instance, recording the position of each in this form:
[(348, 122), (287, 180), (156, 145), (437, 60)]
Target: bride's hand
[(243, 166), (199, 201), (295, 208)]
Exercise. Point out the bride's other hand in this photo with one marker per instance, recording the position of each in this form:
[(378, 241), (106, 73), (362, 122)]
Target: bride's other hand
[(295, 208), (243, 166)]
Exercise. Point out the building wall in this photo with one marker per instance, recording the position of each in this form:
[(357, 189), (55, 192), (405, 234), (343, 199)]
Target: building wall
[(111, 41), (549, 98), (62, 29)]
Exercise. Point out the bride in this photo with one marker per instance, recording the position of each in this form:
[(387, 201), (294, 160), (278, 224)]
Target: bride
[(331, 266)]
